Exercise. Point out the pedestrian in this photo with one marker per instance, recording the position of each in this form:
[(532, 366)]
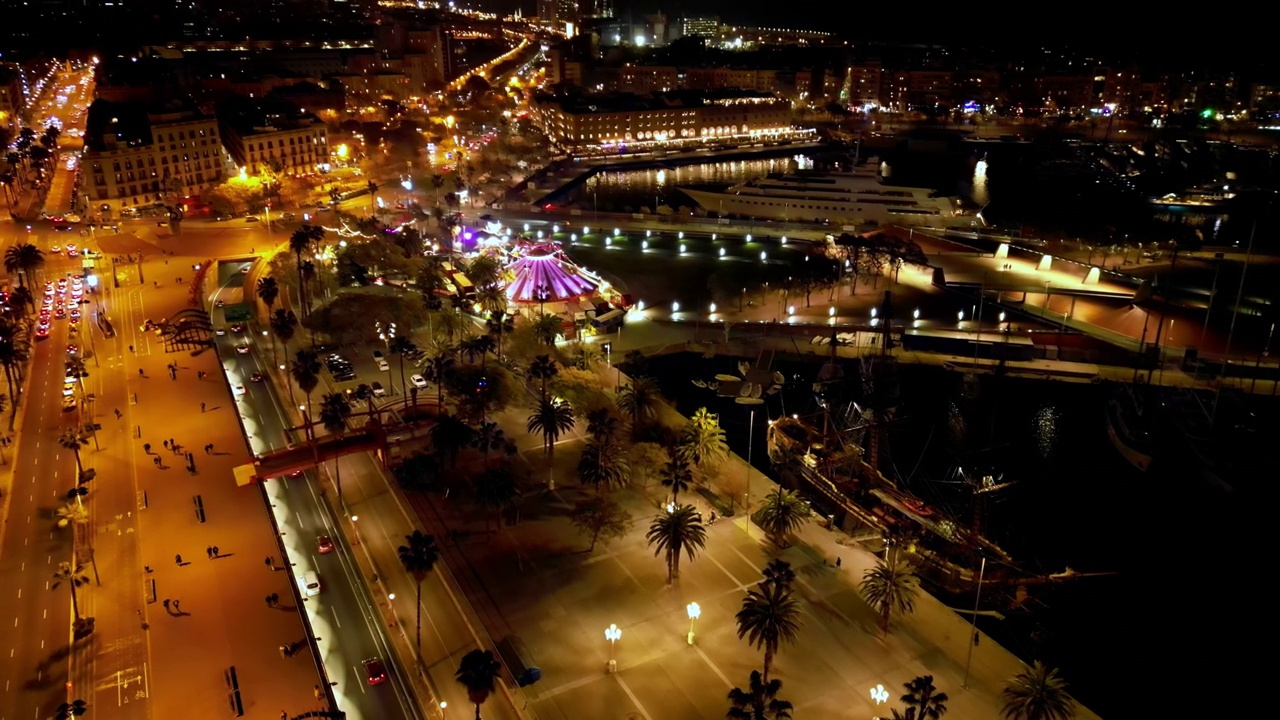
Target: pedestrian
[(166, 444), (270, 561), (215, 551), (284, 715), (139, 372), (209, 552), (201, 407), (130, 348), (148, 569), (275, 598), (172, 442), (147, 447), (156, 460), (175, 606), (177, 559), (118, 414), (837, 563), (166, 604)]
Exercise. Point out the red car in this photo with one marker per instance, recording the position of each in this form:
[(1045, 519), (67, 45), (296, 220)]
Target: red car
[(324, 544), (375, 671)]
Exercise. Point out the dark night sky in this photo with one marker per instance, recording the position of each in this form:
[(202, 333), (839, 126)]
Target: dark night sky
[(1176, 32)]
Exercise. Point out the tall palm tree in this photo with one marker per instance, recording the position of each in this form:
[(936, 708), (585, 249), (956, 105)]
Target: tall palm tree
[(305, 371), (602, 424), (680, 530), (12, 357), (484, 271), (1037, 693), (299, 242), (454, 325), (488, 436), (24, 260), (543, 368), (603, 464), (551, 419), (495, 489), (678, 476), (283, 324), (770, 615), (500, 325), (640, 401), (477, 347), (703, 441), (924, 699), (781, 513), (492, 298), (439, 369), (267, 291), (74, 577), (759, 701), (449, 436), (478, 673), (419, 556), (889, 587), (546, 327), (401, 346), (73, 440), (20, 299), (334, 410)]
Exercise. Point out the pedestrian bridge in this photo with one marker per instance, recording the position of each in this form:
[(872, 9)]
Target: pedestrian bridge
[(376, 436)]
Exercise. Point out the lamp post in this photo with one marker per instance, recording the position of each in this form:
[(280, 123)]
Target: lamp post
[(973, 623), (695, 611), (613, 634), (355, 527)]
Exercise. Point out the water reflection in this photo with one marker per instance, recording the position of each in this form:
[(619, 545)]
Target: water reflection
[(979, 192), (1045, 430), (632, 189)]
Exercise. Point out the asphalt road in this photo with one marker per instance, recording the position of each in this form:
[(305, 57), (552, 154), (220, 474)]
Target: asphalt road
[(341, 614)]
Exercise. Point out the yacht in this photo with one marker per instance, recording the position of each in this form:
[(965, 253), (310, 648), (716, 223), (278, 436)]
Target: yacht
[(842, 198)]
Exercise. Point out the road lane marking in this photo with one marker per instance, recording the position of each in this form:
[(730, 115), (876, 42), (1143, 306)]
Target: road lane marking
[(334, 610)]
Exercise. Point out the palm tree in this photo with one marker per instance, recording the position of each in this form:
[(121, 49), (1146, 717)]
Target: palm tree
[(782, 512), (602, 463), (484, 271), (551, 418), (759, 701), (74, 577), (889, 587), (602, 424), (299, 242), (419, 557), (306, 372), (449, 436), (401, 346), (454, 325), (73, 440), (681, 529), (640, 401), (500, 325), (923, 698), (1037, 693), (546, 327), (25, 260), (769, 616), (543, 368), (477, 347), (334, 410), (21, 299), (283, 324), (703, 441), (73, 709), (488, 436), (495, 489), (478, 673), (439, 369), (779, 572), (267, 291), (11, 357), (678, 476), (363, 393), (492, 298)]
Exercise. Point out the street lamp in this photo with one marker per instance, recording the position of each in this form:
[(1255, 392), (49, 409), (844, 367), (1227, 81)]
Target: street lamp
[(879, 694), (694, 613), (612, 633)]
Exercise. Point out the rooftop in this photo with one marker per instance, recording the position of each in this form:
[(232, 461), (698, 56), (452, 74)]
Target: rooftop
[(269, 114), (115, 125), (623, 102)]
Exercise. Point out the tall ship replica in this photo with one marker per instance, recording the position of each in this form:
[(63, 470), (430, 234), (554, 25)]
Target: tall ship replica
[(857, 197), (833, 455)]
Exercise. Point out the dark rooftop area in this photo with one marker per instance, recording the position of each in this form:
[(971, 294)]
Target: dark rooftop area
[(129, 122)]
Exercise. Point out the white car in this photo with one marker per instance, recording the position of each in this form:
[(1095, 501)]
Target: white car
[(238, 389), (418, 381), (378, 390), (382, 365), (310, 583)]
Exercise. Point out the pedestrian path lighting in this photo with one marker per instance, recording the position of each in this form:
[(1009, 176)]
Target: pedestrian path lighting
[(356, 528), (443, 705), (613, 634), (721, 252), (879, 694), (694, 612), (764, 256)]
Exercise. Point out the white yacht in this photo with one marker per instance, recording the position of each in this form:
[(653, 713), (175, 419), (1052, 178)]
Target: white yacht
[(839, 198)]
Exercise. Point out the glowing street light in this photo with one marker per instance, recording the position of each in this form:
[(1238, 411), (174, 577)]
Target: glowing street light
[(879, 694), (748, 237), (764, 256), (681, 248), (916, 314), (644, 244), (616, 232), (721, 252), (680, 234), (613, 634), (713, 308), (784, 239), (694, 613)]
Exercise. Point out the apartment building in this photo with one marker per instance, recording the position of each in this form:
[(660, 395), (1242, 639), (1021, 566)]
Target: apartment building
[(137, 155), (257, 133)]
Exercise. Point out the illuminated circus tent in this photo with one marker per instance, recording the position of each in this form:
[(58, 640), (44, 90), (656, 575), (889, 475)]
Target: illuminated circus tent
[(544, 266)]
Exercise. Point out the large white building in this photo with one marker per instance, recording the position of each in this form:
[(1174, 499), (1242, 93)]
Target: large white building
[(261, 132), (137, 156), (676, 118)]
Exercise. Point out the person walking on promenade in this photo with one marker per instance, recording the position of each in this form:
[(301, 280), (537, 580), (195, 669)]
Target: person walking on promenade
[(209, 552), (147, 447), (216, 554), (201, 407), (175, 606), (166, 604), (177, 559)]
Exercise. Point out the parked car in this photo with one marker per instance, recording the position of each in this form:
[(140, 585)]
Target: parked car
[(375, 671), (418, 381), (378, 390)]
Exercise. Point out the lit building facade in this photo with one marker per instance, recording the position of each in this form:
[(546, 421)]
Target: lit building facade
[(667, 119), (136, 158), (257, 134)]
